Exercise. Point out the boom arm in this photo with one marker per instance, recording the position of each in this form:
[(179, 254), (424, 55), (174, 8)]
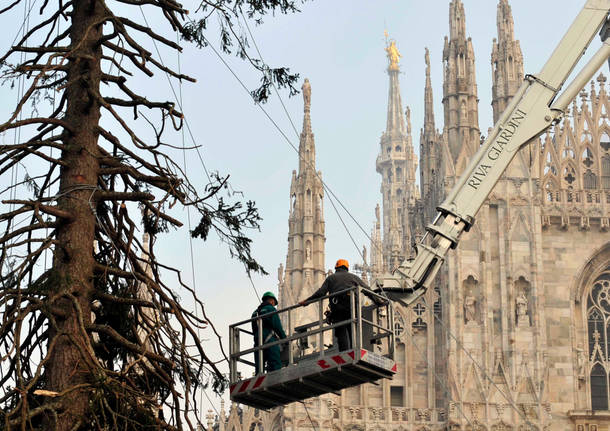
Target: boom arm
[(532, 110)]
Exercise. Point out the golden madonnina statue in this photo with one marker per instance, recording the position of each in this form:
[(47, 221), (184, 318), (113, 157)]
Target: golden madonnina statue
[(393, 55)]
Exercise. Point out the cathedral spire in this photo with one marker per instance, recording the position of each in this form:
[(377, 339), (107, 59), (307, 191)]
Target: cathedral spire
[(376, 265), (397, 165), (506, 61), (304, 270), (457, 20), (307, 147), (428, 98), (429, 149), (395, 125), (460, 98), (505, 23)]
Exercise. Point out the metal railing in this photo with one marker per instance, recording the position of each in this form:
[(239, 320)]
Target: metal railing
[(370, 325)]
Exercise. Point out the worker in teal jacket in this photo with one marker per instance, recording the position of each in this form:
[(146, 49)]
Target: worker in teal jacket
[(272, 329)]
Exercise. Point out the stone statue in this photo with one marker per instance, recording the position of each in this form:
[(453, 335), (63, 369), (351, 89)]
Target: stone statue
[(280, 274), (377, 217), (393, 55), (463, 111), (470, 310), (306, 94), (521, 306), (307, 278), (580, 362), (364, 254), (308, 253)]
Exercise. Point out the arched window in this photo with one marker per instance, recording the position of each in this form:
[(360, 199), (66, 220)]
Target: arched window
[(589, 180), (588, 159), (511, 66), (321, 206), (604, 141), (549, 167), (399, 325), (568, 152), (585, 131), (599, 388), (254, 426), (309, 201), (606, 171), (461, 65), (549, 192), (598, 324), (398, 174)]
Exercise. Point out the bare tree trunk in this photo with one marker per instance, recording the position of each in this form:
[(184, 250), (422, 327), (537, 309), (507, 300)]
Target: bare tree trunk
[(70, 363), (117, 372)]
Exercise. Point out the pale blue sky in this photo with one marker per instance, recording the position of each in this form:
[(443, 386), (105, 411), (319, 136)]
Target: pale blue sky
[(339, 46)]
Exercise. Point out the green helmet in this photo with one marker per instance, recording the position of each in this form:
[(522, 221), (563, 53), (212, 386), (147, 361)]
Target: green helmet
[(269, 295)]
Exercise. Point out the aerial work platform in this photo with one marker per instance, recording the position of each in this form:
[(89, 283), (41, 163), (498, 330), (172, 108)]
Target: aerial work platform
[(312, 363)]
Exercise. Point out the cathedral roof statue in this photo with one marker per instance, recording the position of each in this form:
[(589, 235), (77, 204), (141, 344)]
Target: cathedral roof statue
[(307, 94), (393, 55)]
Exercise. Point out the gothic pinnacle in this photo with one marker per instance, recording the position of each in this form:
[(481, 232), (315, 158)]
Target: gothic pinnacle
[(459, 88), (395, 123), (506, 60), (505, 22), (307, 150), (428, 98), (457, 20)]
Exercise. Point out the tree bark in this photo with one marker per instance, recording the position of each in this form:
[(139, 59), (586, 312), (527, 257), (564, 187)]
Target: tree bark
[(69, 365)]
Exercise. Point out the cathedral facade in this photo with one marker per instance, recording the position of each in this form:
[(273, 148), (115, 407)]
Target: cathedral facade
[(516, 333)]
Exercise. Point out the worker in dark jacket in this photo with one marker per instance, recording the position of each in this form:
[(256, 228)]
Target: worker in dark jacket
[(272, 329), (340, 304)]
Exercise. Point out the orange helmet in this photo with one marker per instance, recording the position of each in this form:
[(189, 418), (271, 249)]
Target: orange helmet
[(342, 262)]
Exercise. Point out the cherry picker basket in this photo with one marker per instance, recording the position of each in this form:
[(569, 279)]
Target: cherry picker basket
[(313, 364)]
